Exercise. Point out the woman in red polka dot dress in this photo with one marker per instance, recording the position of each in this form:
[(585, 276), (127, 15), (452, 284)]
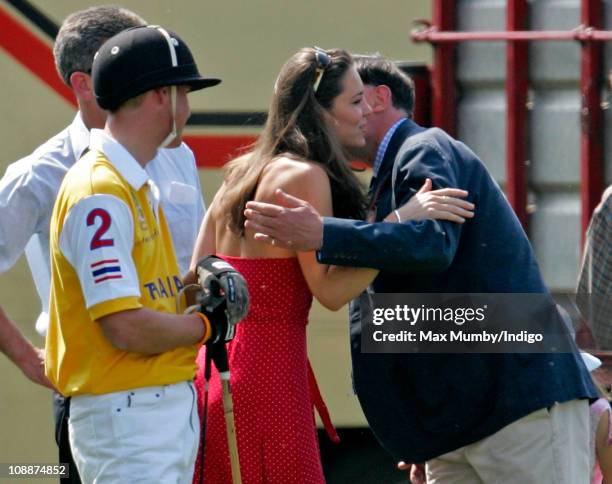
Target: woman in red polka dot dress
[(318, 107)]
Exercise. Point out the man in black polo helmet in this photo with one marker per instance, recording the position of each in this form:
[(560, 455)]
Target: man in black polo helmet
[(115, 344)]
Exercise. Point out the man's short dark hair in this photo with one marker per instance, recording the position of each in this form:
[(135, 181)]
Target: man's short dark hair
[(375, 70), (82, 34)]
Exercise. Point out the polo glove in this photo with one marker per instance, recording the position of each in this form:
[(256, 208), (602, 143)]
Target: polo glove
[(225, 296)]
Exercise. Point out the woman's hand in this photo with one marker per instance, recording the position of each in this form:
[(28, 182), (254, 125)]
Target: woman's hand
[(442, 204)]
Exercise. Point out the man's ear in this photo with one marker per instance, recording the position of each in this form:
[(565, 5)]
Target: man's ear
[(382, 99), (162, 94), (82, 86)]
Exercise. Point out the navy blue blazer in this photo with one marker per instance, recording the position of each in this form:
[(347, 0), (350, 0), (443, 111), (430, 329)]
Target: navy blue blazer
[(422, 406)]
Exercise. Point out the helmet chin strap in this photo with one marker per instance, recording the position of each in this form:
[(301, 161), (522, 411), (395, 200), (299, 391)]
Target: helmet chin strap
[(173, 134)]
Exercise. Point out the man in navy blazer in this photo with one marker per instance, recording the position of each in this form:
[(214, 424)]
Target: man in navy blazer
[(512, 417)]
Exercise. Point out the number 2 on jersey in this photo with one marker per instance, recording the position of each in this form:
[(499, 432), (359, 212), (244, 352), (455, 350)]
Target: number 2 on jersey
[(105, 221)]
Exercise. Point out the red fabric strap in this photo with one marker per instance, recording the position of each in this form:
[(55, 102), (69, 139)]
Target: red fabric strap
[(319, 404)]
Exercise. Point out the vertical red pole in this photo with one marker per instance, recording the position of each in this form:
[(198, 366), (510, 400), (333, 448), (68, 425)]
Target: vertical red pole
[(517, 64), (421, 76), (443, 75), (591, 142)]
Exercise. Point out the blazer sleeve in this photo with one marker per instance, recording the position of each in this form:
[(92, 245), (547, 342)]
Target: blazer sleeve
[(425, 246)]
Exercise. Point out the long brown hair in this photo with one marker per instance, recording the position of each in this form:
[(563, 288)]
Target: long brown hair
[(296, 128)]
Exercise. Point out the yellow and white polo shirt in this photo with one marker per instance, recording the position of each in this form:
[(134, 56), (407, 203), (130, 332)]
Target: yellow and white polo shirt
[(111, 251)]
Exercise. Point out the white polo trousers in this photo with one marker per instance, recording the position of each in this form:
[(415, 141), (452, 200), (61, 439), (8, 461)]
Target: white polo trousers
[(146, 434)]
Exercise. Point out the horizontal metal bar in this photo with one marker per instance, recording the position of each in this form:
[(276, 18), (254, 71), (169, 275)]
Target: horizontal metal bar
[(602, 35), (580, 33)]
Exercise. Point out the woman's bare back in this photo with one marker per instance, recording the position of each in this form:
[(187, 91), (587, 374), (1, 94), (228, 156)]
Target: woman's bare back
[(294, 177)]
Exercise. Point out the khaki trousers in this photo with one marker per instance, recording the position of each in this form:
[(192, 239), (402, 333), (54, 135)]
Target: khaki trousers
[(549, 446)]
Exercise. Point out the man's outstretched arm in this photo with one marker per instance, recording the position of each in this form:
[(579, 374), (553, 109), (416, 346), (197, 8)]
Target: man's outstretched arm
[(295, 224)]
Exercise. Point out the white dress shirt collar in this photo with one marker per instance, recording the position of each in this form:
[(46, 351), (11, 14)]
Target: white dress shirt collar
[(79, 136)]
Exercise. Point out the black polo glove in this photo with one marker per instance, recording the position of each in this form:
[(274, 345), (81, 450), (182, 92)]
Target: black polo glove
[(226, 298)]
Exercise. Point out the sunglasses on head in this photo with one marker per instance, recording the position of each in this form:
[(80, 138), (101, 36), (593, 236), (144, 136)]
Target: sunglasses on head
[(323, 60)]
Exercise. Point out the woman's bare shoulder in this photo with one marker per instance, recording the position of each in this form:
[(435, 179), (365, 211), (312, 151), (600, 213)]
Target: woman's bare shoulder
[(290, 174), (301, 178)]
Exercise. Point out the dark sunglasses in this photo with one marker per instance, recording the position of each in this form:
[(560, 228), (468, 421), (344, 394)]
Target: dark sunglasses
[(323, 61)]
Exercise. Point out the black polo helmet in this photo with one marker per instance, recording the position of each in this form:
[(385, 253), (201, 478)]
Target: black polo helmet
[(143, 58)]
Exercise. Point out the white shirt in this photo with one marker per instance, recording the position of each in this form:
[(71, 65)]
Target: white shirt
[(29, 188)]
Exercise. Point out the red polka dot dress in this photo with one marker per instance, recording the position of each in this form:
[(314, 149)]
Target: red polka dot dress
[(273, 410)]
